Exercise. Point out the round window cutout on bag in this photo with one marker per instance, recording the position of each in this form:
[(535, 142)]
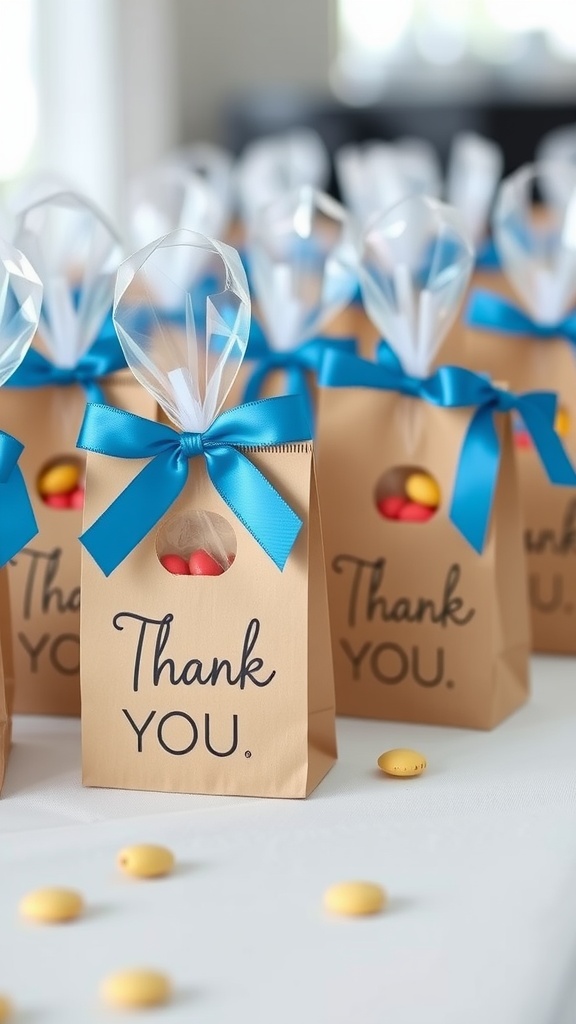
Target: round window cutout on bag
[(407, 494), (60, 483), (196, 543)]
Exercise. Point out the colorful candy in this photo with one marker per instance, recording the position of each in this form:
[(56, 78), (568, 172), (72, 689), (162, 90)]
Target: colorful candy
[(418, 502), (52, 906), (355, 898), (136, 989), (202, 564), (146, 860), (391, 506), (522, 439), (199, 563), (413, 513), (77, 498), (59, 486), (402, 762), (57, 500), (61, 478), (422, 489), (175, 564)]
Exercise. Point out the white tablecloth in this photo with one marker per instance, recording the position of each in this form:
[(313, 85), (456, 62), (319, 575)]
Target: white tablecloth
[(478, 855)]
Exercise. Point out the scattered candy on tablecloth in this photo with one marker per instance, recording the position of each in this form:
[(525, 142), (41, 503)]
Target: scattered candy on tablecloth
[(354, 899), (52, 905), (146, 860), (402, 762), (136, 989)]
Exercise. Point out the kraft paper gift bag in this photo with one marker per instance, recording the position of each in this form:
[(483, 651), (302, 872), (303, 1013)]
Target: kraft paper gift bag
[(420, 503), (302, 266), (75, 358), (20, 303), (206, 660), (531, 344)]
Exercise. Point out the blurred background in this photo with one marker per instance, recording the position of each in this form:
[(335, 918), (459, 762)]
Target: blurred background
[(97, 90)]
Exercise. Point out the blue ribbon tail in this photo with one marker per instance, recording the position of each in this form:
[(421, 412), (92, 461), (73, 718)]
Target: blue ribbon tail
[(255, 502), (136, 511), (537, 411), (476, 479), (18, 524)]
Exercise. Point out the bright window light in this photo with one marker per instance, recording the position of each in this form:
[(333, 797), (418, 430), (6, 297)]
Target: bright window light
[(373, 25), (381, 37), (18, 109)]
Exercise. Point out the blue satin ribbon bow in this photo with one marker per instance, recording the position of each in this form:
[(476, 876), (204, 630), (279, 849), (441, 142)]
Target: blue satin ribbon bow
[(495, 313), (453, 387), (143, 503), (295, 363), (17, 521), (103, 358)]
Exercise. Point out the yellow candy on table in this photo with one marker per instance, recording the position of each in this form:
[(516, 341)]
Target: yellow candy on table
[(423, 490), (61, 478), (353, 899), (146, 860), (562, 422), (402, 762), (6, 1009), (52, 906), (135, 989)]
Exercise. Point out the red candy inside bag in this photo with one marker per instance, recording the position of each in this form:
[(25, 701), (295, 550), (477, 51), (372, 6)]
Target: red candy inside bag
[(61, 483), (196, 543), (407, 494)]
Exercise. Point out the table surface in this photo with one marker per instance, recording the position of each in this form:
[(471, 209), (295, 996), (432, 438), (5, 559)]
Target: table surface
[(478, 856)]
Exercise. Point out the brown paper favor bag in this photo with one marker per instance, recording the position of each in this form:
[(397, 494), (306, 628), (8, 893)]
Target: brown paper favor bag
[(518, 334), (419, 496), (45, 575), (209, 684), (206, 656), (424, 629), (549, 512)]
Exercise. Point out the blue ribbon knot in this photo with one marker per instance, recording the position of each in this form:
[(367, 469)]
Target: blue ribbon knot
[(493, 312), (103, 358), (296, 363), (191, 445), (453, 387), (17, 520), (247, 492)]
